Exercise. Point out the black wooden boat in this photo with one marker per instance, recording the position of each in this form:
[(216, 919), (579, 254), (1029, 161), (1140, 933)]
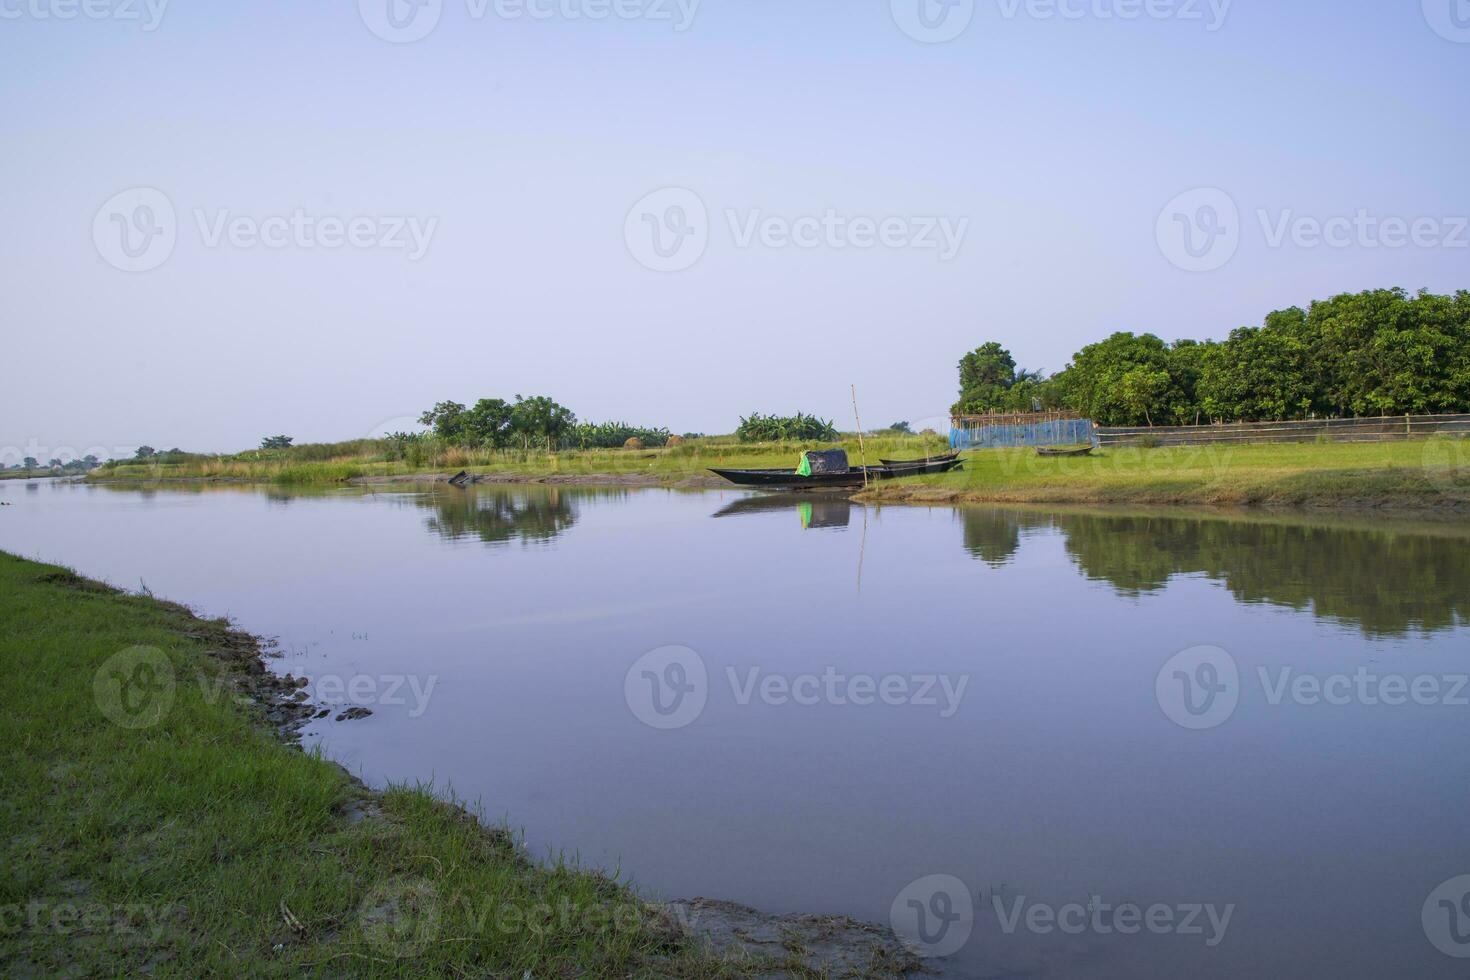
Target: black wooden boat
[(1083, 451), (928, 461), (854, 477)]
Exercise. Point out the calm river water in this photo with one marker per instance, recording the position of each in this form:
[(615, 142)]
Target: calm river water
[(1045, 743)]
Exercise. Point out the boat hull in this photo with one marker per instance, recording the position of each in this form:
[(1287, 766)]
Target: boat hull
[(854, 477), (926, 461)]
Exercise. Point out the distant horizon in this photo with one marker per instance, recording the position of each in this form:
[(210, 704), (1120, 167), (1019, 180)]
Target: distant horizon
[(320, 221), (410, 423)]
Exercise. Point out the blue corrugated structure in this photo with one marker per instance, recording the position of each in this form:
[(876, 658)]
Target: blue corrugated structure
[(1029, 429)]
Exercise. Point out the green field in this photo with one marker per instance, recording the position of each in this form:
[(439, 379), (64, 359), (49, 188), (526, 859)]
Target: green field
[(155, 824), (1419, 475)]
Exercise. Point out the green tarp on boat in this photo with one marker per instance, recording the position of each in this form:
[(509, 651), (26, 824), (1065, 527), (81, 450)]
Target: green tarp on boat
[(824, 462)]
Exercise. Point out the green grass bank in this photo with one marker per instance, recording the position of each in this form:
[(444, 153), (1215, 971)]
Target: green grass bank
[(1427, 475), (1418, 475), (157, 822)]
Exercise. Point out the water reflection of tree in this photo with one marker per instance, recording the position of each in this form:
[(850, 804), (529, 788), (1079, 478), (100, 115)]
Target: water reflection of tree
[(1384, 581), (496, 515), (994, 536)]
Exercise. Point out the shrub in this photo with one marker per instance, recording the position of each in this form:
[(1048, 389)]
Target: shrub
[(611, 435), (795, 428)]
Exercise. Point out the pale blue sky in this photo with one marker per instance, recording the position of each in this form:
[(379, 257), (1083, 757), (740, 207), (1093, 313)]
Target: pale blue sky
[(521, 146)]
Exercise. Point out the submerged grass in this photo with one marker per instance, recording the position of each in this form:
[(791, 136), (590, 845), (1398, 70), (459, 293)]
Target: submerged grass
[(154, 823)]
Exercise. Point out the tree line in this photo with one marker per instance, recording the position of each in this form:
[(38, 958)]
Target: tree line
[(1380, 352), (539, 421)]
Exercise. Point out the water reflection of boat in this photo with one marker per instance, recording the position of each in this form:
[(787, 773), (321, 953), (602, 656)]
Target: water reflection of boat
[(816, 510)]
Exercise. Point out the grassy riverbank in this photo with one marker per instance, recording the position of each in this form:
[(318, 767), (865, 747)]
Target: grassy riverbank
[(374, 459), (156, 823), (1421, 475)]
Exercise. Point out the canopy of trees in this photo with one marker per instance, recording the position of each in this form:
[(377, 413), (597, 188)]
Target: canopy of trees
[(1382, 352), (494, 423), (991, 382)]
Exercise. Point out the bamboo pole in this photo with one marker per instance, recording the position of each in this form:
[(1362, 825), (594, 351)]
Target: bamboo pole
[(862, 449)]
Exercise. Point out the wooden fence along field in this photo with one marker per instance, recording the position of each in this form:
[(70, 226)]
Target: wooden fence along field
[(1382, 429), (1062, 428)]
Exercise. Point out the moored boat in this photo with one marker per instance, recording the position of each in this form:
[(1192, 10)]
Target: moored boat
[(943, 458), (853, 476), (1080, 451)]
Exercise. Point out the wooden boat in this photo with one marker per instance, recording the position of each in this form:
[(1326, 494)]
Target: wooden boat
[(854, 477), (1083, 451), (927, 460), (934, 464)]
